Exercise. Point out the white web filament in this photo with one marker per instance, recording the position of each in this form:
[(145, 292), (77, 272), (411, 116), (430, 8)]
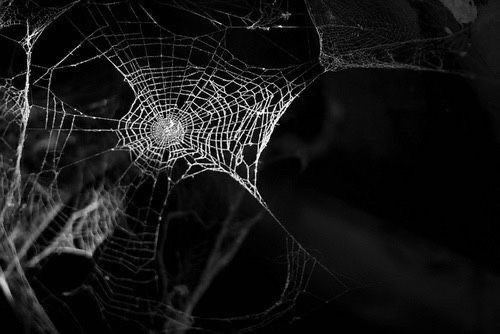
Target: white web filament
[(167, 131), (418, 35), (194, 100), (196, 108), (156, 137)]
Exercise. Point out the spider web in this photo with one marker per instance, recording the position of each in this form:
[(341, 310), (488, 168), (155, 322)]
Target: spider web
[(408, 34), (23, 205), (196, 108), (11, 101), (36, 18), (248, 14), (81, 172), (217, 112)]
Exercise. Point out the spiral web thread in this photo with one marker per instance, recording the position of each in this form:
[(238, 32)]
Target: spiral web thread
[(196, 108), (217, 113)]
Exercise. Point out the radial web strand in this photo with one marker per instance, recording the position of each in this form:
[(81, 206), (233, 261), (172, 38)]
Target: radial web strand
[(216, 112), (98, 179)]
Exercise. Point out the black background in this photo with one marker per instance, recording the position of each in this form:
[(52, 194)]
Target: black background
[(401, 201)]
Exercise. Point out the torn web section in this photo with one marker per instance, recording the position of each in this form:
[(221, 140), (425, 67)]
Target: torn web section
[(217, 112), (429, 34)]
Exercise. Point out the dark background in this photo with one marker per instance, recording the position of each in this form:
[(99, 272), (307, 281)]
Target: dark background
[(388, 177)]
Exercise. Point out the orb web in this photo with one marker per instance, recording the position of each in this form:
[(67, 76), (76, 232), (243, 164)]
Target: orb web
[(196, 107), (224, 109)]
